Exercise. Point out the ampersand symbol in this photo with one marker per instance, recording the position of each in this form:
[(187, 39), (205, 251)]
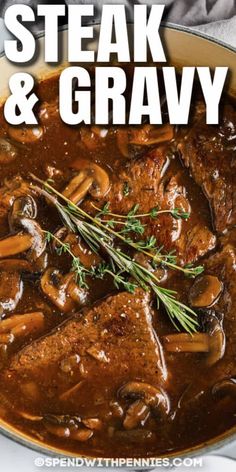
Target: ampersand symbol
[(19, 106)]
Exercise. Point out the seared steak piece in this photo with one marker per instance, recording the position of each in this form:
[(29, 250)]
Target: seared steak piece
[(89, 357), (143, 181), (209, 153)]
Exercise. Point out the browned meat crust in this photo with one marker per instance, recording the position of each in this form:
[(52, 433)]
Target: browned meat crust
[(149, 187), (113, 339), (209, 154)]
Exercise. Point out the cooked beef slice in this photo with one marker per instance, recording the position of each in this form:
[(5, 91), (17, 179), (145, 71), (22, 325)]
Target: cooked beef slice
[(147, 185), (97, 352), (209, 153)]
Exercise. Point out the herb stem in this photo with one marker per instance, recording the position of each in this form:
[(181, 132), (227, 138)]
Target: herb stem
[(99, 236), (192, 271)]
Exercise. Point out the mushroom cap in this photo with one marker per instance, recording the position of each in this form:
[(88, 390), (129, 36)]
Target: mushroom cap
[(62, 290), (217, 340), (100, 179), (225, 387), (205, 291), (37, 235), (149, 135), (136, 414), (211, 342), (153, 397), (22, 207), (15, 244)]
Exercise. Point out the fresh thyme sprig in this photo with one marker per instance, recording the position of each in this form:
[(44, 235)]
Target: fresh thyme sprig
[(77, 267), (177, 213), (156, 256), (98, 236), (133, 223), (82, 272)]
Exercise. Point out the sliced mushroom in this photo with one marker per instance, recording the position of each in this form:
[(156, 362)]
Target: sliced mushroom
[(81, 434), (62, 290), (225, 387), (63, 419), (11, 289), (136, 415), (153, 397), (87, 257), (16, 244), (67, 427), (93, 423), (57, 430), (149, 134), (22, 325), (211, 342), (22, 207), (31, 238), (38, 245), (16, 265), (78, 187), (29, 416), (25, 134), (160, 272), (216, 341), (91, 178), (116, 409), (8, 152), (205, 291)]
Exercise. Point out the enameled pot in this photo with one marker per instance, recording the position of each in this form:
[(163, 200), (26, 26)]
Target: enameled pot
[(183, 48)]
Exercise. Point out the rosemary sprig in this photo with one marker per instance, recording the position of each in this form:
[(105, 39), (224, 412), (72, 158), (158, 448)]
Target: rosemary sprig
[(134, 224), (98, 236), (74, 210)]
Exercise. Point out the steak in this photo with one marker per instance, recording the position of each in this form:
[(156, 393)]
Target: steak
[(143, 181), (90, 356), (209, 154)]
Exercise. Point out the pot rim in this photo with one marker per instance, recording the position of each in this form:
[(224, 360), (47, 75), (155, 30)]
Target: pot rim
[(209, 446)]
